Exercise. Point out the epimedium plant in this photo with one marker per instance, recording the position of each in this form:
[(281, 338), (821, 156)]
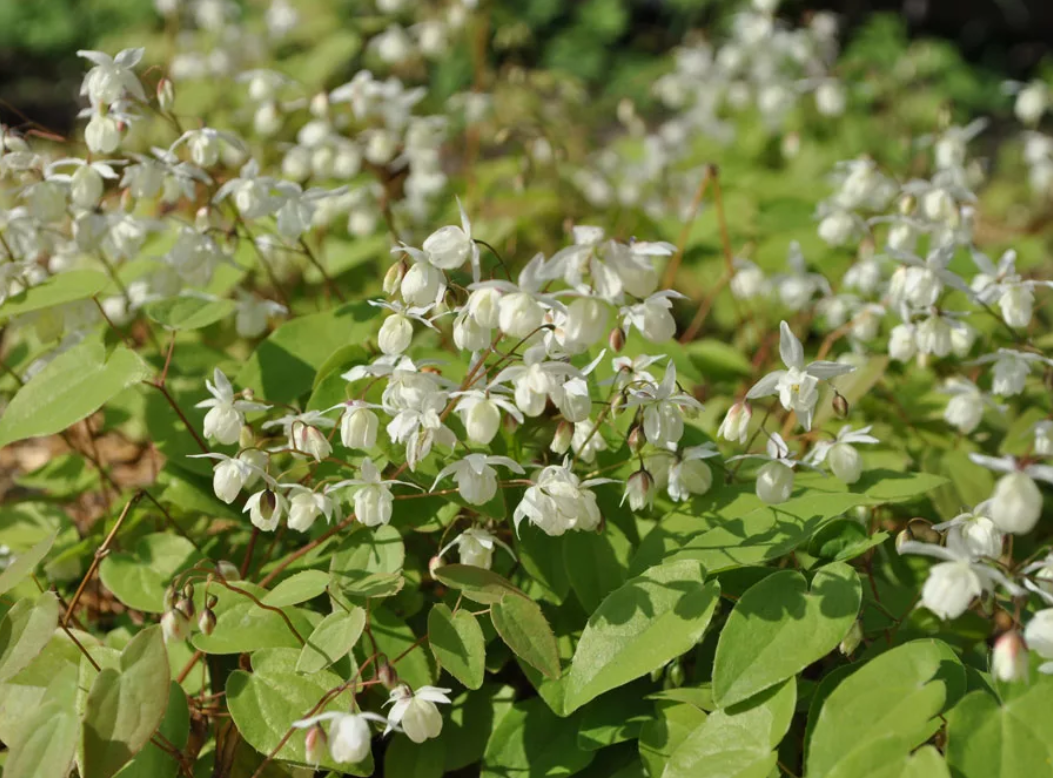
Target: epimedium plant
[(356, 455)]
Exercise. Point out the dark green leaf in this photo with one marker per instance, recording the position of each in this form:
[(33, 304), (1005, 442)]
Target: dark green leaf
[(523, 627)]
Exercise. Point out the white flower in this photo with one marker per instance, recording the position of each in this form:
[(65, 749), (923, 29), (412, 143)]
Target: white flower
[(253, 313), (535, 381), (902, 343), (397, 330), (836, 229), (265, 509), (797, 287), (299, 438), (1039, 637), (349, 734), (663, 404), (423, 284), (559, 501), (748, 281), (229, 475), (973, 533), (251, 192), (373, 498), (358, 425), (476, 479), (954, 583), (175, 626), (1032, 100), (587, 441), (830, 98), (586, 324), (736, 423), (1011, 369), (1043, 431), (966, 406), (416, 711), (111, 77), (653, 317), (103, 134), (448, 248), (845, 462), (689, 474), (797, 386), (775, 477), (1016, 503), (311, 441), (481, 414), (306, 505), (475, 546)]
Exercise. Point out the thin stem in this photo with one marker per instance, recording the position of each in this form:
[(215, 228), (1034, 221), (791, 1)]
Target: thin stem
[(685, 232), (179, 412), (330, 285), (99, 554)]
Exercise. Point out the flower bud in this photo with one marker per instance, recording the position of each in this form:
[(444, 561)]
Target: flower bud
[(311, 441), (358, 428), (186, 606), (207, 621), (434, 564), (735, 426), (165, 94), (636, 438), (395, 334), (211, 601), (616, 339), (170, 597), (315, 744), (851, 641), (674, 675), (227, 570), (905, 535), (840, 405), (1009, 660), (387, 675), (175, 625), (563, 437), (482, 421), (639, 490)]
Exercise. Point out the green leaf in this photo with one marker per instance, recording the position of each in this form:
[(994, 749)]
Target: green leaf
[(457, 641), (301, 587), (738, 740), (66, 287), (532, 741), (616, 717), (242, 625), (283, 366), (139, 580), (665, 731), (71, 387), (394, 638), (476, 583), (364, 553), (332, 640), (526, 631), (125, 707), (407, 759), (153, 761), (48, 750), (25, 563), (265, 703), (24, 632), (926, 762), (844, 539), (596, 563), (473, 716), (640, 627), (780, 626), (893, 696), (989, 740), (188, 313)]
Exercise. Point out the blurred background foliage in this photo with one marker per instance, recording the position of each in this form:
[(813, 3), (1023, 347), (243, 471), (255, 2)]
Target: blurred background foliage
[(612, 47)]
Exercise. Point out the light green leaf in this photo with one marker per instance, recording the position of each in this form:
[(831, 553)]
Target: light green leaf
[(283, 366), (188, 313), (366, 552), (125, 707), (526, 631), (893, 696), (71, 387), (25, 563), (640, 627), (738, 740), (139, 580), (531, 741), (926, 762), (242, 625), (66, 287), (24, 632), (301, 587), (153, 761), (476, 583), (265, 703), (1013, 740), (457, 641), (48, 750), (780, 626), (665, 731), (332, 640)]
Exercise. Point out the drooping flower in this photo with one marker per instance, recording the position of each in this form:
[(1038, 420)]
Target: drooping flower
[(416, 711), (226, 416)]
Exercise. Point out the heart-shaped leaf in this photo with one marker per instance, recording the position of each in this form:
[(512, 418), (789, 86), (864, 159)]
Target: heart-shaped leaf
[(457, 641)]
